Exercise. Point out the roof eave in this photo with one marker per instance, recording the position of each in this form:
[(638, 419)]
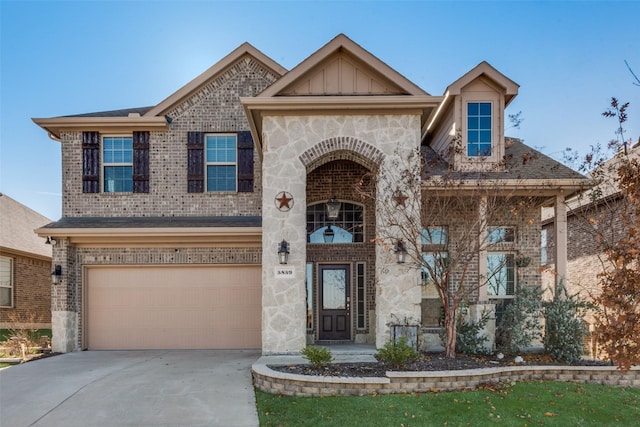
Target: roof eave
[(55, 125)]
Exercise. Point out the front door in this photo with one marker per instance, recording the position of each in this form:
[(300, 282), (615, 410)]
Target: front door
[(334, 302)]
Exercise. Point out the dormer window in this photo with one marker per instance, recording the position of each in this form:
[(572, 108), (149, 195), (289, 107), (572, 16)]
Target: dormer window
[(479, 129)]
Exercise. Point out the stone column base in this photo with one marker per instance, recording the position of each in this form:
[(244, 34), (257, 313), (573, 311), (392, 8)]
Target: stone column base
[(64, 328)]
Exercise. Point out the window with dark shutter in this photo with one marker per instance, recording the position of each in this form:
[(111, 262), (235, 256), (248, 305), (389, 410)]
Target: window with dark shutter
[(245, 162), (195, 162), (141, 162), (90, 162)]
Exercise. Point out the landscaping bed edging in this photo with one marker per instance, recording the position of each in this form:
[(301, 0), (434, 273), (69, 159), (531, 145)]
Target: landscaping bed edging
[(398, 382)]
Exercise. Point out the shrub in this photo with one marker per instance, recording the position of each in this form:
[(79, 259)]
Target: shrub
[(319, 357), (565, 327), (470, 339), (520, 324), (397, 353)]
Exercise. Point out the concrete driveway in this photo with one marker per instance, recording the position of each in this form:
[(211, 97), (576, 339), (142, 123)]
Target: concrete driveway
[(131, 388)]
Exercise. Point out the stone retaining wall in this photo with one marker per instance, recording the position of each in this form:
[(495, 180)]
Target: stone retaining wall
[(277, 382)]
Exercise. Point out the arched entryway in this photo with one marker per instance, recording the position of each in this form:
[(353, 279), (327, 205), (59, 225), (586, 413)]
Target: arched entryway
[(340, 265)]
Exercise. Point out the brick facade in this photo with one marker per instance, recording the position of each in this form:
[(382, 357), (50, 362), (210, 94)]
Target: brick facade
[(215, 108), (31, 292), (339, 177)]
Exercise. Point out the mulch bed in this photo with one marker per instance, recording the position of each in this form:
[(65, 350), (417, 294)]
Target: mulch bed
[(429, 362)]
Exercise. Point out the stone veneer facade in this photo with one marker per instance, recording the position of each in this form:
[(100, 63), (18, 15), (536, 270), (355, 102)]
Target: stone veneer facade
[(370, 139)]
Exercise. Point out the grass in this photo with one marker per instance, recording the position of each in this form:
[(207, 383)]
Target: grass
[(5, 334), (535, 403)]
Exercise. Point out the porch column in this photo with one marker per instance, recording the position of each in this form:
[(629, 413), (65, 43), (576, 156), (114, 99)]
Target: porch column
[(560, 227)]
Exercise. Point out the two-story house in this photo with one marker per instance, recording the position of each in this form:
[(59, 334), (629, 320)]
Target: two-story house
[(226, 215)]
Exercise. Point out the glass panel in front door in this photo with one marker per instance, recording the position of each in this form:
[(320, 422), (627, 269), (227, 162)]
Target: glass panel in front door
[(334, 295)]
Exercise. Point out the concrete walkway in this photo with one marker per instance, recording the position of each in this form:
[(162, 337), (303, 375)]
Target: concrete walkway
[(131, 388)]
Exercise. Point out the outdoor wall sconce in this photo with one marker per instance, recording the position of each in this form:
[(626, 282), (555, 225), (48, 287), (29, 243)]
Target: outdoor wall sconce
[(401, 252), (333, 208), (328, 234), (50, 241), (283, 252), (56, 274)]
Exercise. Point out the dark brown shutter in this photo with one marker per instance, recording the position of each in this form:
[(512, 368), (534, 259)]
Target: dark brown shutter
[(141, 162), (90, 162), (195, 162), (245, 162)]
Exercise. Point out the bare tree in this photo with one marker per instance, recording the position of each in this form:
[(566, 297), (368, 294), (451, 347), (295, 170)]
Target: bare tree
[(462, 215)]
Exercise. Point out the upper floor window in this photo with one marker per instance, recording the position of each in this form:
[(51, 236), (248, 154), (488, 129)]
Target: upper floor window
[(347, 228), (6, 282), (221, 161), (479, 129), (117, 158)]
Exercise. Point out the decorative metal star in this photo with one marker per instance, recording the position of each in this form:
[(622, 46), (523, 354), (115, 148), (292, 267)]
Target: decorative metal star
[(284, 201), (400, 198)]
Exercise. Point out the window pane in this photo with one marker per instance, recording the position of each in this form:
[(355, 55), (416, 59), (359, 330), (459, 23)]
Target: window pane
[(309, 283), (5, 271), (500, 274), (118, 179), (479, 129), (472, 122), (501, 234), (221, 148), (485, 136), (473, 136), (117, 149), (221, 178), (485, 123), (347, 228), (434, 236), (5, 297), (334, 295)]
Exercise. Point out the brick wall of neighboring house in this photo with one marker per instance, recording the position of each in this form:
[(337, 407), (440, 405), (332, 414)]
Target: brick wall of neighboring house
[(214, 108), (588, 232), (31, 293), (339, 178)]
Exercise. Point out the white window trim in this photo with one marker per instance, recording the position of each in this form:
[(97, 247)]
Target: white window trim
[(466, 130), (207, 164), (11, 284), (104, 164)]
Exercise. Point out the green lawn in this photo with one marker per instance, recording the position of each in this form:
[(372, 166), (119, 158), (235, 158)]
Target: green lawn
[(521, 404)]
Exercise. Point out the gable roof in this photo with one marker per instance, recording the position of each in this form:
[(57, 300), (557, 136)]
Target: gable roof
[(152, 118), (388, 91), (344, 46), (213, 71), (484, 69), (17, 229)]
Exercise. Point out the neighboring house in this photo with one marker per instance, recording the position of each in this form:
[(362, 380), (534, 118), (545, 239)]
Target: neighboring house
[(177, 217), (25, 268), (593, 223)]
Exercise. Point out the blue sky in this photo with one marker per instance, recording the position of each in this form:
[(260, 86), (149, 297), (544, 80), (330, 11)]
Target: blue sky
[(62, 58)]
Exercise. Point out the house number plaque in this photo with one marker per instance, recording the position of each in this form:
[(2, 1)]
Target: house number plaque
[(284, 272)]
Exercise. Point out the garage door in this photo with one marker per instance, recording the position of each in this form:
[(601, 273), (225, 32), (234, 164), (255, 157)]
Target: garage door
[(187, 307)]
